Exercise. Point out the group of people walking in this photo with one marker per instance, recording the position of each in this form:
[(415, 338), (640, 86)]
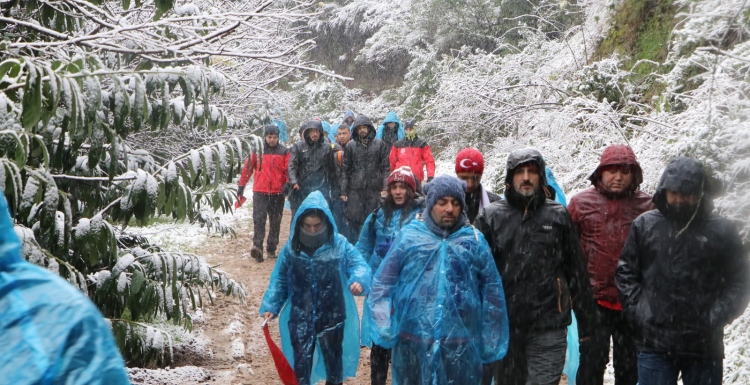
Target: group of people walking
[(467, 287)]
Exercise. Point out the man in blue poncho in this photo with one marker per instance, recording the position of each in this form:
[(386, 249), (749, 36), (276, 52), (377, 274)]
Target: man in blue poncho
[(313, 281), (390, 131), (437, 299), (51, 333)]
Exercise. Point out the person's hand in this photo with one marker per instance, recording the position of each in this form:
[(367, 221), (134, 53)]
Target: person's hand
[(584, 345), (356, 289), (383, 194), (382, 248), (296, 186), (429, 179), (344, 198)]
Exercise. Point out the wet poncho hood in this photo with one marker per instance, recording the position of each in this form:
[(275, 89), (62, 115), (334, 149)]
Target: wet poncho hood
[(391, 117)]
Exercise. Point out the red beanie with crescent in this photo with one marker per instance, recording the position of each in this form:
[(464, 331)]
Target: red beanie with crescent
[(470, 160)]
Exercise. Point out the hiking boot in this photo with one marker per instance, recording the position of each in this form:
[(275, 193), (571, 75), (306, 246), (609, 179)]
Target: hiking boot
[(271, 254), (257, 254)]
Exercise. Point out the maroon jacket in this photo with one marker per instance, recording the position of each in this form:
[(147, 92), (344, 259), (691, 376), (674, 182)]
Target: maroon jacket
[(603, 220)]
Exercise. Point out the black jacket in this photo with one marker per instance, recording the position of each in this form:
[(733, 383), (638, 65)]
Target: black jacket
[(538, 254), (474, 202), (366, 167), (679, 291), (312, 164)]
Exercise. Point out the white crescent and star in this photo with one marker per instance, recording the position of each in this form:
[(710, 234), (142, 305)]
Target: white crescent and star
[(464, 165)]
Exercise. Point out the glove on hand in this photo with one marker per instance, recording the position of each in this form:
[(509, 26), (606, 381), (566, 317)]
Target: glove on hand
[(240, 191), (429, 179)]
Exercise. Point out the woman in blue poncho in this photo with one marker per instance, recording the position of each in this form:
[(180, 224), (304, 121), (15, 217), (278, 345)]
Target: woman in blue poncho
[(399, 208), (311, 287)]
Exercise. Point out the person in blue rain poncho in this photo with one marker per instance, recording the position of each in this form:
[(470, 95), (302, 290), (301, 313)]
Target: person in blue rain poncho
[(437, 299), (311, 287), (390, 131), (51, 333), (349, 119), (400, 206)]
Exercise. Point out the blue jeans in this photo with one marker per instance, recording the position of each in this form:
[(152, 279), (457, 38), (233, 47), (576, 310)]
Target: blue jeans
[(658, 369)]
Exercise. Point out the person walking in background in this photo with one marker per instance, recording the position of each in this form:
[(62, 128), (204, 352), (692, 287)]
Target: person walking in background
[(268, 198), (469, 168), (538, 253), (400, 206), (390, 130), (413, 152), (364, 174), (51, 332), (278, 121), (312, 164), (603, 215), (349, 119), (437, 299), (682, 277), (338, 206), (311, 286)]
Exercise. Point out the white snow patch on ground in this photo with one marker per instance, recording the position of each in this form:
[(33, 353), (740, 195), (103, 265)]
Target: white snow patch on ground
[(184, 375)]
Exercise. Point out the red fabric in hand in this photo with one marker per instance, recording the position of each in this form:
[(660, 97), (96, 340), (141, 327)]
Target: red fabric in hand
[(286, 374), (240, 201)]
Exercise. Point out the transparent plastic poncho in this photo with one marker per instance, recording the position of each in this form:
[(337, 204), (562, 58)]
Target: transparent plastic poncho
[(51, 333), (311, 294), (439, 304)]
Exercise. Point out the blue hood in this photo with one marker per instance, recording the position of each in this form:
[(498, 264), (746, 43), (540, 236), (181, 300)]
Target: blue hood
[(10, 246), (314, 201), (391, 118)]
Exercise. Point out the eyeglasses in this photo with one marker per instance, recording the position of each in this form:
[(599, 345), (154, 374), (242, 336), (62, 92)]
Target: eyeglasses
[(624, 169)]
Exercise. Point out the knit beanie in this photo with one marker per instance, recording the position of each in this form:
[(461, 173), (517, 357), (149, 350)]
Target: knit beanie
[(270, 129), (470, 160), (444, 186), (403, 174)]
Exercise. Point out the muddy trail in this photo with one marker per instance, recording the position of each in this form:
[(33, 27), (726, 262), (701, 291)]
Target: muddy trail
[(227, 346), (229, 341)]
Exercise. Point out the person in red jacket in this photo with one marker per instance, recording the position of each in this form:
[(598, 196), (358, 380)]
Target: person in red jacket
[(603, 215), (268, 198), (413, 152)]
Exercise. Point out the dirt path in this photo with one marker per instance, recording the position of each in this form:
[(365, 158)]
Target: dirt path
[(236, 352)]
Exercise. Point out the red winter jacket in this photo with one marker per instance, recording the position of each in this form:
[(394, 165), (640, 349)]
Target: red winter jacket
[(413, 153), (271, 174), (603, 221)]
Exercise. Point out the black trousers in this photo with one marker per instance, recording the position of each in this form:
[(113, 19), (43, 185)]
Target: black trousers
[(359, 205), (331, 348), (379, 361), (534, 357), (595, 353), (271, 206)]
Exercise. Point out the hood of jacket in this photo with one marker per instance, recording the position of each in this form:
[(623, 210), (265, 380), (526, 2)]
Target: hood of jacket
[(687, 176), (618, 154), (363, 120), (517, 158), (313, 125), (10, 245), (391, 118), (348, 114), (313, 201)]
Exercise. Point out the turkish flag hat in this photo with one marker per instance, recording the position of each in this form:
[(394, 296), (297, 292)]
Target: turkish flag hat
[(469, 160)]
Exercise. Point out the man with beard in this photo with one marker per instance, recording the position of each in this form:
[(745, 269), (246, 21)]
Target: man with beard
[(311, 287), (469, 168), (381, 227), (364, 174), (390, 131), (682, 276), (312, 165), (603, 215), (437, 298), (538, 253)]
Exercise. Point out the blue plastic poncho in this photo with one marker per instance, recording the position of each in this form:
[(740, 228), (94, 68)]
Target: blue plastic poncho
[(51, 333), (374, 242), (449, 307), (391, 118), (312, 295), (283, 135), (572, 356), (330, 130), (346, 115)]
